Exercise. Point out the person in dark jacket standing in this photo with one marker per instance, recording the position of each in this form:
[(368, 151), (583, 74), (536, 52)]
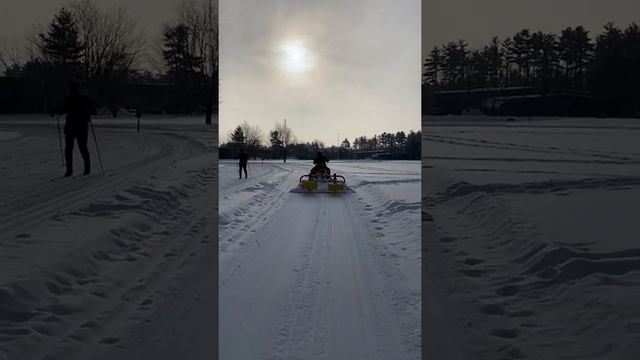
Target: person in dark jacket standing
[(244, 158), (320, 164), (78, 109)]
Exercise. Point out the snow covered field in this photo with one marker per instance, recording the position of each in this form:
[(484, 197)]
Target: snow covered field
[(531, 238), (320, 276), (115, 266)]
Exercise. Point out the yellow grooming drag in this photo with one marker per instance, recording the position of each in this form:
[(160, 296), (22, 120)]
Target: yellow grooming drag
[(333, 184)]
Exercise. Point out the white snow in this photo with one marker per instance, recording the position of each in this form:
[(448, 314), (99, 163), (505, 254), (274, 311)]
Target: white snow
[(530, 238), (9, 135), (121, 265), (108, 266), (320, 276)]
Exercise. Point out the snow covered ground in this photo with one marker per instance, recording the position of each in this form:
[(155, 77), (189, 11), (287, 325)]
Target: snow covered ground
[(320, 276), (530, 234), (113, 266)]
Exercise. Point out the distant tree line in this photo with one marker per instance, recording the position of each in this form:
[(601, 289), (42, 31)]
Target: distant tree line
[(281, 144), (103, 48), (607, 67)]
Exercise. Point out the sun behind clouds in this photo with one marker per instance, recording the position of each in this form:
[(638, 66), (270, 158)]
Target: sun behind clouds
[(295, 57)]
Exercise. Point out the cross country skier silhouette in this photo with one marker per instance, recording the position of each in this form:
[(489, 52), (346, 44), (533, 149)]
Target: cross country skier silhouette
[(78, 109), (242, 164)]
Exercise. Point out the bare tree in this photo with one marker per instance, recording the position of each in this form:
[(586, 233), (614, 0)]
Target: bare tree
[(154, 57), (112, 45), (33, 40), (253, 137), (10, 55), (285, 136), (111, 39), (317, 144)]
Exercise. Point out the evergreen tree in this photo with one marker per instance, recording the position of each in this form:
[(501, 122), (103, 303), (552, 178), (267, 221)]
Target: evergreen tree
[(631, 57), (478, 70), (583, 49), (401, 139), (274, 138), (451, 65), (176, 52), (609, 75), (433, 66), (59, 60), (493, 59), (60, 45), (543, 59), (238, 137), (610, 67), (521, 53), (575, 52), (414, 145), (508, 61), (276, 142), (181, 65)]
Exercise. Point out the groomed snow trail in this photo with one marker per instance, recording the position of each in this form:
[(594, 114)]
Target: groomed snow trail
[(301, 276), (90, 265)]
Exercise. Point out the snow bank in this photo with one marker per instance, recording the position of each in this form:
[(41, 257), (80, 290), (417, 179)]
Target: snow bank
[(529, 231)]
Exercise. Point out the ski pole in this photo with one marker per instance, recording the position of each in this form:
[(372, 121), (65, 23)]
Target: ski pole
[(95, 140), (60, 140)]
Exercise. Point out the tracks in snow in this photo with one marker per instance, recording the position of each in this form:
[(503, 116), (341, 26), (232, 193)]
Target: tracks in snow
[(137, 232), (308, 283)]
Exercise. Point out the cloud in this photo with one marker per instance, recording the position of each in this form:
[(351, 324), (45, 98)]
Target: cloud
[(365, 74)]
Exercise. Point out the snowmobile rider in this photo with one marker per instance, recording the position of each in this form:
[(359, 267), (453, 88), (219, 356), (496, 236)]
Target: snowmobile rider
[(321, 164), (78, 109), (244, 158)]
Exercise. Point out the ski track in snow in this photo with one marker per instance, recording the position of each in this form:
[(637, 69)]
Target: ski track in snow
[(88, 262), (529, 238), (320, 276)]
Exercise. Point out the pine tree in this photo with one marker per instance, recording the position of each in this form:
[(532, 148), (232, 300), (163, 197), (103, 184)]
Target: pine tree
[(583, 54), (181, 65), (521, 52), (508, 61), (60, 58), (401, 139), (493, 58), (631, 59), (433, 65), (450, 64), (60, 45), (176, 52), (238, 136), (478, 69)]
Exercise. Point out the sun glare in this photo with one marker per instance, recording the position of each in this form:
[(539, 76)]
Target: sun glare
[(295, 57)]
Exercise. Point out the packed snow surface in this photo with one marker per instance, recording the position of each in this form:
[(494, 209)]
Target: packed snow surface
[(530, 232), (320, 276), (119, 265)]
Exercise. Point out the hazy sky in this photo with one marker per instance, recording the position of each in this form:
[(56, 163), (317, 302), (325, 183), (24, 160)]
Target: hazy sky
[(17, 16), (329, 67), (478, 20)]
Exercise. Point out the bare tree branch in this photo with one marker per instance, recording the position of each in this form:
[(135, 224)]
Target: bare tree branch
[(253, 137), (113, 42), (10, 54)]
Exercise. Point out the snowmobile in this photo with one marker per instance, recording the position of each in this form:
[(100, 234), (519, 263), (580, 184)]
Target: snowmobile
[(320, 180)]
